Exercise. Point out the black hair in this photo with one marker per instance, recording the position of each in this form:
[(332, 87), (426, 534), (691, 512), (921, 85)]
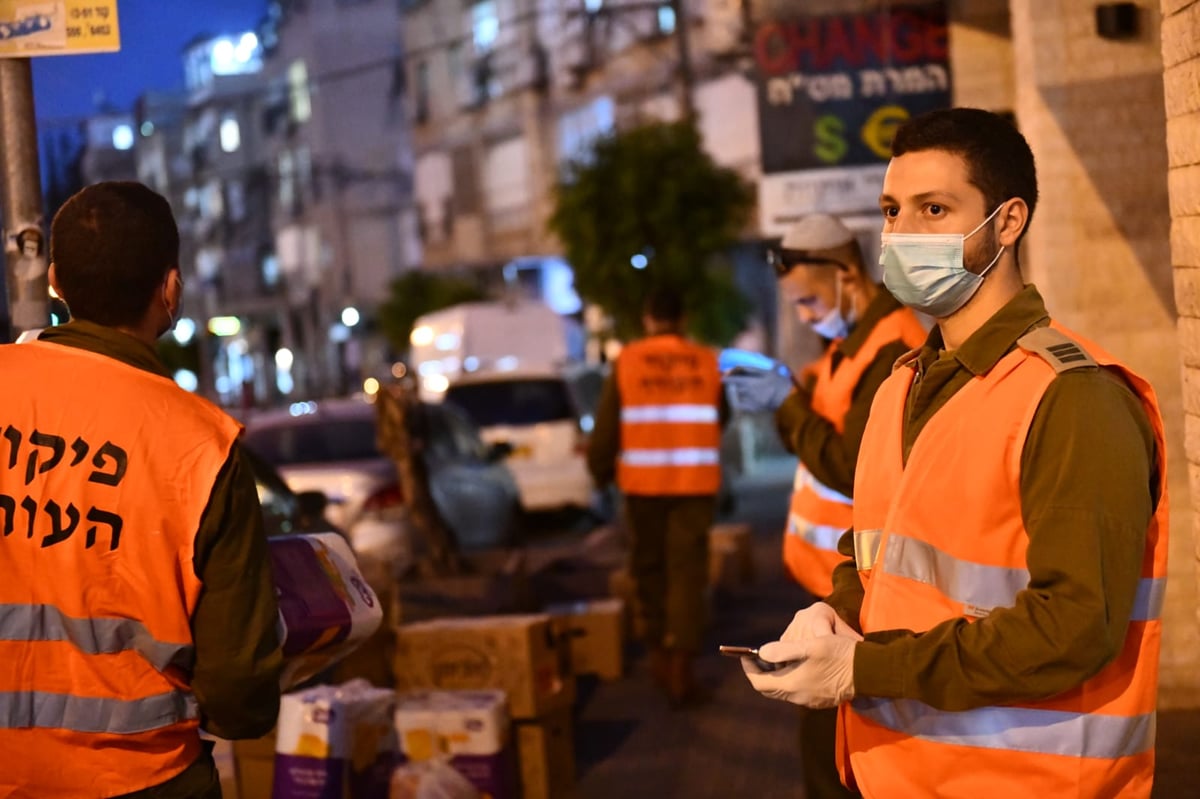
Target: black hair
[(112, 245), (664, 304), (999, 161)]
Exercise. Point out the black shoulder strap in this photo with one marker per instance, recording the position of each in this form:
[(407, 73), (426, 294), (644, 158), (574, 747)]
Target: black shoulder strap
[(1056, 348)]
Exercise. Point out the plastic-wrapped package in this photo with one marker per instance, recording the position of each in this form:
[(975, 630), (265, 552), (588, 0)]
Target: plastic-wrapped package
[(430, 779), (326, 608), (335, 742)]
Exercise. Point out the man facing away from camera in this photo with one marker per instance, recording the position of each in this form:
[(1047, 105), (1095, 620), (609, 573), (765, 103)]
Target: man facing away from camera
[(137, 603)]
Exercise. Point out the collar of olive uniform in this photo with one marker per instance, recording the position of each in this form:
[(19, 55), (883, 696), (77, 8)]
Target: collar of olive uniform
[(882, 305), (998, 336), (106, 341)]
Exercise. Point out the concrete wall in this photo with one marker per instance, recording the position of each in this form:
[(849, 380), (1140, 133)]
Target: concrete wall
[(1093, 111), (1181, 89)]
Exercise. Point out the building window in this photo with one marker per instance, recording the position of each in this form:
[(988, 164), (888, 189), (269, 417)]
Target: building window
[(235, 199), (485, 25), (304, 174), (287, 181), (666, 19), (270, 270), (230, 134), (421, 95), (301, 99)]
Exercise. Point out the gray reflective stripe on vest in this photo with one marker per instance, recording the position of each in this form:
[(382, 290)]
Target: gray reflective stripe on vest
[(1051, 732), (821, 536), (985, 587), (98, 636), (804, 478), (23, 710), (682, 456), (866, 548), (970, 583), (1148, 604), (669, 414)]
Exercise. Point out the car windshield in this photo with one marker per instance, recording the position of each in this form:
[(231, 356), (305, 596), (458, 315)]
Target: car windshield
[(513, 402), (315, 440)]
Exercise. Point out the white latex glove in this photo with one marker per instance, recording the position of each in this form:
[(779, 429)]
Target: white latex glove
[(754, 390), (815, 620), (821, 674)]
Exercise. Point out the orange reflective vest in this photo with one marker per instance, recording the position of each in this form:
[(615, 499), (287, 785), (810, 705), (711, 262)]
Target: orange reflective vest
[(105, 471), (817, 514), (923, 564), (670, 391)]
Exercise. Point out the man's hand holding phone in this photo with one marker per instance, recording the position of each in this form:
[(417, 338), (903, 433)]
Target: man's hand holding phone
[(814, 672), (751, 654)]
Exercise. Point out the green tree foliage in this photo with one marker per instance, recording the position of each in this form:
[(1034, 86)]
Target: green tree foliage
[(417, 293), (652, 191)]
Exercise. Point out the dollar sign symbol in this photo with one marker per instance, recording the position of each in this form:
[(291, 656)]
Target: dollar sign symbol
[(831, 143)]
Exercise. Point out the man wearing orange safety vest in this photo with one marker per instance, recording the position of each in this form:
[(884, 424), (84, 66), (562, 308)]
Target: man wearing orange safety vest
[(658, 432), (997, 630), (136, 603), (821, 274)]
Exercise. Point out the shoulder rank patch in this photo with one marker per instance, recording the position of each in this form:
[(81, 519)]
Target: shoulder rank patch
[(1056, 348), (906, 359)]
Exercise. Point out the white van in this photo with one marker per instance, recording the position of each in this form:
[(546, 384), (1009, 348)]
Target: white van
[(485, 337), (535, 413)]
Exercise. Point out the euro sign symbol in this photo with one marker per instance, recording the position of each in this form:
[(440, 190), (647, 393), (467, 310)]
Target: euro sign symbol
[(830, 146)]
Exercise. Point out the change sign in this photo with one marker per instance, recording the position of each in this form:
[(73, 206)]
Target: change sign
[(58, 27), (833, 89)]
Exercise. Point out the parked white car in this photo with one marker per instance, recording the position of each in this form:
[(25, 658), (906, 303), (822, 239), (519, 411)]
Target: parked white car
[(535, 413), (329, 446)]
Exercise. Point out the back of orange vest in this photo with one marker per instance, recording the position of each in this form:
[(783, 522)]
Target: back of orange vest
[(105, 472), (670, 391)]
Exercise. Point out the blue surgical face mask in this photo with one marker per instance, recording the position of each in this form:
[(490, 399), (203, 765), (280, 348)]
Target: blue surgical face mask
[(925, 271), (833, 325)]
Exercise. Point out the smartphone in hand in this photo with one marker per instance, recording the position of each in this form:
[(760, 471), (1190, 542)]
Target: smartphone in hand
[(752, 653)]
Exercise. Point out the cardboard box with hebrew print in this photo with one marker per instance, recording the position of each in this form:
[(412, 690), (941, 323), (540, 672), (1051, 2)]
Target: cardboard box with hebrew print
[(518, 654)]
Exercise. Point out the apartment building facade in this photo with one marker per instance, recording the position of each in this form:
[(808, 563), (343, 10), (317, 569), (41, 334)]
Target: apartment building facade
[(505, 90)]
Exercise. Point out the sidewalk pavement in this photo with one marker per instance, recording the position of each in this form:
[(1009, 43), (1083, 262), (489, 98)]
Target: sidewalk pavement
[(630, 744)]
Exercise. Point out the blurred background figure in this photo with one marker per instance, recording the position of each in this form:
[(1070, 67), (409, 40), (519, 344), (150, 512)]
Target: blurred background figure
[(658, 432)]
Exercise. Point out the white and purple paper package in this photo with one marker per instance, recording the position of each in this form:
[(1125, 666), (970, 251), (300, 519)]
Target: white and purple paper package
[(468, 729), (326, 608), (335, 742)]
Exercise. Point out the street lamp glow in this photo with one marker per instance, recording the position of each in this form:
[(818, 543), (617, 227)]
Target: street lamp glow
[(284, 359), (187, 380), (350, 316), (122, 137), (639, 261), (224, 325), (371, 386), (421, 336), (184, 330), (339, 333)]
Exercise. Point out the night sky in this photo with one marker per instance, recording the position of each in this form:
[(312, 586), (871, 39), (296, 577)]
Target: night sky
[(153, 33)]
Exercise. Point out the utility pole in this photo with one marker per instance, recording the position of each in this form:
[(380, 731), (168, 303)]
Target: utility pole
[(683, 68), (687, 78), (26, 299)]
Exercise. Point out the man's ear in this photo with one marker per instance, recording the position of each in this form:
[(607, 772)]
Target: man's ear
[(1013, 218), (52, 276), (174, 288)]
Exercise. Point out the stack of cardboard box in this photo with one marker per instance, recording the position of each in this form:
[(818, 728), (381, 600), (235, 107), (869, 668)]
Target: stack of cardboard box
[(519, 654)]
